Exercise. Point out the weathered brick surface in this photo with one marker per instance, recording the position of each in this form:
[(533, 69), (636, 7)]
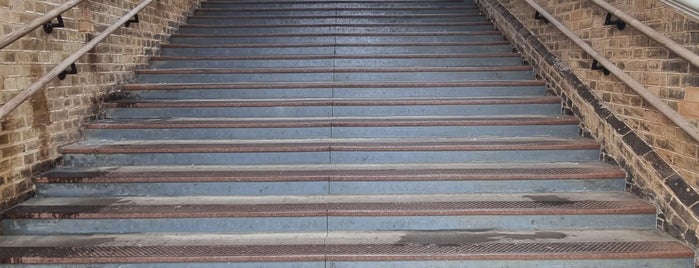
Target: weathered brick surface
[(661, 160), (30, 136)]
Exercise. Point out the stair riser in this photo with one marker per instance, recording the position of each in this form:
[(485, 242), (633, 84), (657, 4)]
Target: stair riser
[(423, 62), (327, 157), (326, 111), (328, 132), (331, 20), (338, 92), (333, 223), (332, 29), (333, 5), (323, 188), (362, 12), (609, 263), (332, 39), (334, 77), (331, 50)]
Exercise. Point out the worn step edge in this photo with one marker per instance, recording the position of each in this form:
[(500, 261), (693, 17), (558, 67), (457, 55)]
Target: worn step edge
[(247, 17), (320, 57), (450, 33), (332, 70), (321, 85), (484, 171), (451, 8), (315, 145), (396, 44), (320, 253), (332, 206), (325, 25), (329, 102), (331, 122), (334, 1)]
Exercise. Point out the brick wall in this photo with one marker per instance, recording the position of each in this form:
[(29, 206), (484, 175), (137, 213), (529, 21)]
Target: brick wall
[(30, 136), (661, 161)]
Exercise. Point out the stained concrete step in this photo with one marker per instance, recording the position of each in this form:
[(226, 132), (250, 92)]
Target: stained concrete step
[(335, 37), (528, 211), (330, 179), (291, 61), (328, 74), (333, 48), (463, 248), (262, 19), (242, 29), (338, 5), (381, 90), (332, 127), (324, 151), (244, 108), (358, 11)]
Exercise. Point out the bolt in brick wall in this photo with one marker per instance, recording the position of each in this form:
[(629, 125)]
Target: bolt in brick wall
[(661, 160), (30, 136)]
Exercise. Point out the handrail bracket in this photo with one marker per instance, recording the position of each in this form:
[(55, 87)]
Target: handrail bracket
[(49, 25), (597, 66), (620, 24), (73, 70), (537, 16), (132, 20)]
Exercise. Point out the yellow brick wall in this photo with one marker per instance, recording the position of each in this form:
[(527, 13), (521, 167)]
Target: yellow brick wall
[(669, 174), (30, 136)]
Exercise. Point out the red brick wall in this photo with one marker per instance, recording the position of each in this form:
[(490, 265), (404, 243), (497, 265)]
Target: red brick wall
[(30, 136)]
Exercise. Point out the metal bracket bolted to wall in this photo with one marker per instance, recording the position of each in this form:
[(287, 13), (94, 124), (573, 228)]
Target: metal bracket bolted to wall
[(618, 22), (132, 20), (48, 26), (596, 66), (538, 16), (73, 70)]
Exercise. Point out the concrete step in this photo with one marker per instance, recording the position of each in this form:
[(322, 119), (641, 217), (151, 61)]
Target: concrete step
[(329, 74), (309, 61), (336, 48), (333, 179), (359, 11), (380, 90), (336, 5), (446, 248), (262, 19), (319, 28), (324, 151), (611, 210), (244, 108), (336, 37), (331, 127)]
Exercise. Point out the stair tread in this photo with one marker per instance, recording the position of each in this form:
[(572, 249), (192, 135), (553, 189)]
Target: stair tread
[(334, 8), (331, 122), (202, 25), (309, 57), (356, 44), (387, 84), (333, 172), (338, 246), (330, 70), (332, 144), (316, 206), (416, 33), (330, 102)]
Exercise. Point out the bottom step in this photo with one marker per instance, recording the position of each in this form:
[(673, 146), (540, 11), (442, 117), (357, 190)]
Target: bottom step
[(593, 248)]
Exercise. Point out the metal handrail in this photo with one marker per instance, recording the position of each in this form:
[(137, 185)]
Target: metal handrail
[(38, 22), (36, 86), (633, 84), (656, 36)]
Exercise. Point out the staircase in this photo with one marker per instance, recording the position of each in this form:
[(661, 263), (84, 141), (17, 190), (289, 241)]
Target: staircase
[(337, 133)]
